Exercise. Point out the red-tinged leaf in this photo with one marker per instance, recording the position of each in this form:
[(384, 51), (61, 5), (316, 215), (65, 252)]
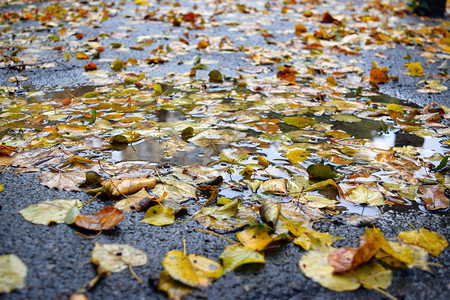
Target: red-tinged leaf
[(327, 18), (105, 219), (433, 197), (7, 150), (90, 67), (378, 76)]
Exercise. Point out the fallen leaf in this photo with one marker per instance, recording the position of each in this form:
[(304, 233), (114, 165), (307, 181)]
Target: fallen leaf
[(433, 197), (363, 195), (180, 268), (255, 237), (136, 202), (105, 219), (174, 289), (158, 215), (117, 187), (320, 171), (236, 255), (432, 241), (12, 273), (415, 69), (47, 212), (116, 257)]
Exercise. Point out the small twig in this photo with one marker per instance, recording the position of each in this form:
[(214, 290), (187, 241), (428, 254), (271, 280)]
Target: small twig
[(216, 234), (135, 275), (6, 167), (93, 198), (89, 237)]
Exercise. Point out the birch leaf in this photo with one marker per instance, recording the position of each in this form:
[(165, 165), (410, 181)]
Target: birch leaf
[(47, 212)]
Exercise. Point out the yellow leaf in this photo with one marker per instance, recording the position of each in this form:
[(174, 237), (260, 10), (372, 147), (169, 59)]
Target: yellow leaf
[(174, 289), (296, 156), (255, 237), (235, 255), (432, 241), (394, 107), (140, 2), (81, 55), (414, 69), (179, 267)]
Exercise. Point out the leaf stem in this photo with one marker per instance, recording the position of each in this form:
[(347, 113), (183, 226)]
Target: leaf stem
[(216, 234)]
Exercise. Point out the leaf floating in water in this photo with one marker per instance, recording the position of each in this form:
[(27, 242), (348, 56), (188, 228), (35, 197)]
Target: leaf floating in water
[(320, 171), (215, 76)]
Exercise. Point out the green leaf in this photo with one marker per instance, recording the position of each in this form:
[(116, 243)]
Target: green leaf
[(300, 122), (442, 164), (215, 76), (72, 215), (320, 171), (118, 65), (12, 273), (187, 133), (236, 255)]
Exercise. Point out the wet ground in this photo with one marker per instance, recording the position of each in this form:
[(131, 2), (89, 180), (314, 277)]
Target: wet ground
[(59, 260)]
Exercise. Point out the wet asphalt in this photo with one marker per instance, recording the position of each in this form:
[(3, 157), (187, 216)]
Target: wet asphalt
[(58, 260)]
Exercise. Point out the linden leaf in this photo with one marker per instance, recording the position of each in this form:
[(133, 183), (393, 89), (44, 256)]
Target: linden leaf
[(269, 212), (136, 202), (177, 191), (255, 237), (207, 270), (296, 156), (118, 65), (47, 212), (12, 273), (180, 268), (116, 257), (174, 289), (236, 255), (105, 219), (159, 215), (363, 195), (414, 69), (432, 241), (274, 186)]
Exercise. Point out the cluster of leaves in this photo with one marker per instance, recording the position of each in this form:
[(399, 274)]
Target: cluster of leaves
[(283, 140)]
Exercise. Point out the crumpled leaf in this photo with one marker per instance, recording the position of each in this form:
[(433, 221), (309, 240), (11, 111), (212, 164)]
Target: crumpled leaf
[(378, 76), (433, 196), (12, 273), (236, 255), (363, 195), (116, 257), (136, 202), (215, 76), (432, 241), (269, 212), (117, 187), (105, 219), (47, 212), (72, 214), (158, 215), (415, 69)]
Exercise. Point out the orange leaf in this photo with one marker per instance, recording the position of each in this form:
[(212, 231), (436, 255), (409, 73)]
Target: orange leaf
[(327, 18), (7, 150), (81, 55), (378, 76), (202, 44), (105, 219), (90, 67), (299, 29)]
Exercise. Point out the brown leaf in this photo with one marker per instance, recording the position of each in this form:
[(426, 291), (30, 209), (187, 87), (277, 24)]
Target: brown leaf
[(7, 150), (90, 67), (433, 197), (378, 76), (105, 219), (117, 187)]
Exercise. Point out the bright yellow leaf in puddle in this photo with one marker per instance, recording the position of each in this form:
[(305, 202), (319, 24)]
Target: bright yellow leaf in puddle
[(296, 156), (363, 195), (158, 215), (236, 255), (12, 273), (47, 212), (116, 257), (432, 241), (255, 237), (415, 69)]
